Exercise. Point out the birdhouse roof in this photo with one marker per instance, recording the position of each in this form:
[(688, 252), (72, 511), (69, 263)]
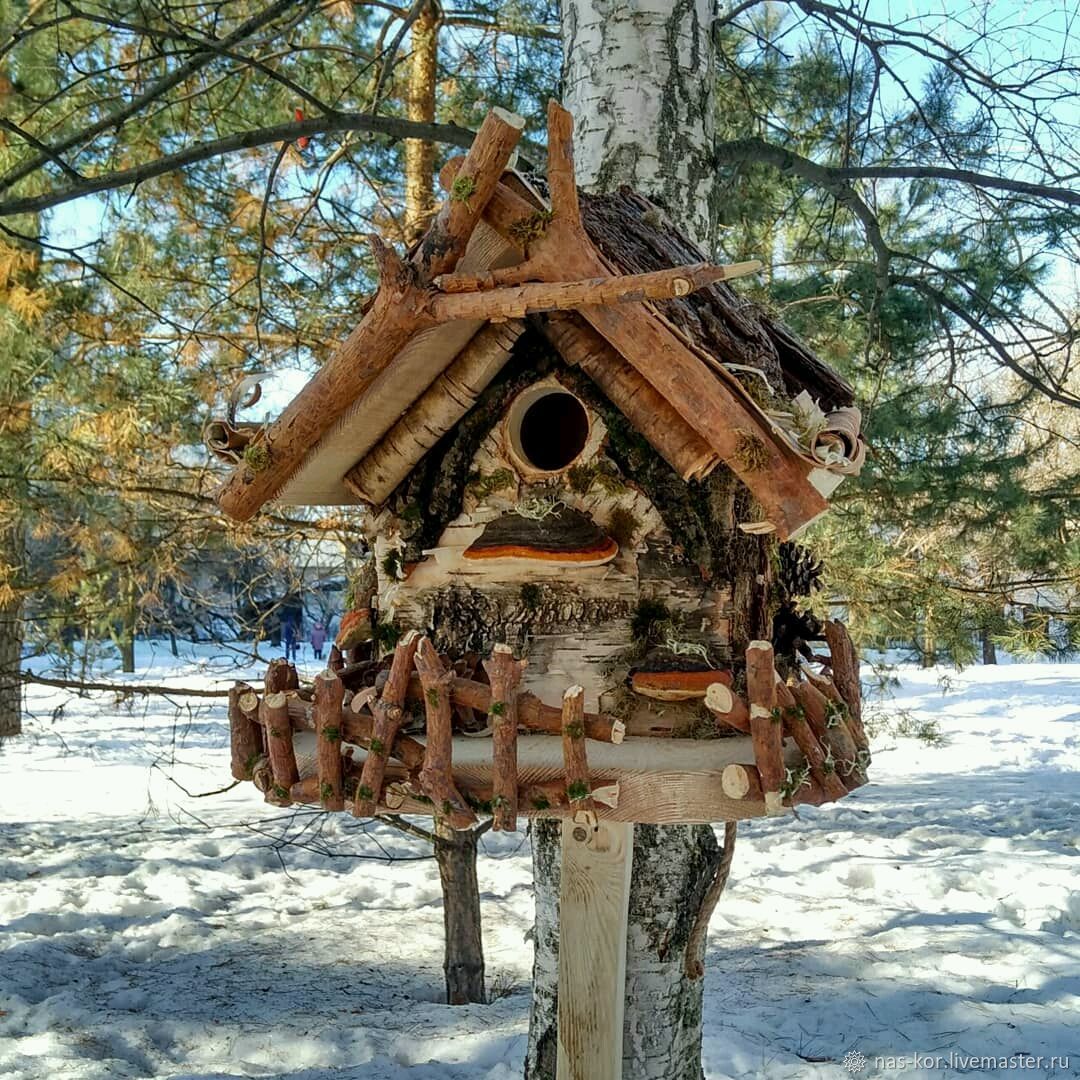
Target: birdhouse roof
[(707, 376)]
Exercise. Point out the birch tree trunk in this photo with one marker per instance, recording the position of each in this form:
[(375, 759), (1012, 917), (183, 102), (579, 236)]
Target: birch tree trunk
[(420, 105), (638, 77)]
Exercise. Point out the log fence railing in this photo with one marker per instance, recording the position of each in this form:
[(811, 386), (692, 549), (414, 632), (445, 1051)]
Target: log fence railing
[(391, 746)]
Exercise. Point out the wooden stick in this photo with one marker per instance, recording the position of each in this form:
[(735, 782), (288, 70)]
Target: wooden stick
[(728, 707), (845, 673), (765, 728), (533, 714), (829, 727), (245, 733), (329, 695), (795, 723), (743, 782), (386, 327), (561, 178), (388, 714), (504, 674), (280, 676), (275, 717), (436, 777), (518, 300), (506, 212), (578, 786)]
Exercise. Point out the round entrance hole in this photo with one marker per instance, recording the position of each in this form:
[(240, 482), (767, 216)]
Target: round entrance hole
[(548, 428)]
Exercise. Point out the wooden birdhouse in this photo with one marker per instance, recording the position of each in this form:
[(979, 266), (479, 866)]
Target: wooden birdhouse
[(580, 450)]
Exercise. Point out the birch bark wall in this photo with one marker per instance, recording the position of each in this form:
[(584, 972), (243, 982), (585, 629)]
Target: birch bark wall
[(638, 78)]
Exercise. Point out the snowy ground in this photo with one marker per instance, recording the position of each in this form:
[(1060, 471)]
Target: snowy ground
[(146, 933)]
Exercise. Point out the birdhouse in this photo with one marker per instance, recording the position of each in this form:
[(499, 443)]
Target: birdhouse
[(585, 459)]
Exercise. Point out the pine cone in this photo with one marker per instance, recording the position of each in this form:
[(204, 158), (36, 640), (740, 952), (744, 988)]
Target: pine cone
[(800, 572)]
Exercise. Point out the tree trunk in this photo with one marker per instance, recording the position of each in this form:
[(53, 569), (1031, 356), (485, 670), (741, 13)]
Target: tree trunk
[(11, 631), (463, 955), (127, 628), (420, 105), (989, 649), (638, 78)]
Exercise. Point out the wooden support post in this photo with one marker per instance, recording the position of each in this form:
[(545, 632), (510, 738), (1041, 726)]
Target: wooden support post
[(504, 673), (594, 897), (275, 714), (766, 728), (329, 694), (245, 732), (828, 725), (436, 777), (845, 673), (388, 714), (578, 787)]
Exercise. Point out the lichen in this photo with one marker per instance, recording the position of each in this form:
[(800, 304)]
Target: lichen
[(623, 526), (482, 486)]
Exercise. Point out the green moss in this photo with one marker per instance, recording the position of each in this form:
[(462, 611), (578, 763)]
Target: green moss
[(531, 227), (377, 746), (575, 730), (331, 734), (650, 623), (581, 477), (482, 486), (462, 189), (541, 803), (364, 792), (578, 790), (433, 697), (280, 792), (385, 635), (326, 791), (257, 457), (498, 708)]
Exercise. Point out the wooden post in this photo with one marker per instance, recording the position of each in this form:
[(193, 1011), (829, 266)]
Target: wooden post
[(765, 724), (505, 673), (329, 694), (594, 898)]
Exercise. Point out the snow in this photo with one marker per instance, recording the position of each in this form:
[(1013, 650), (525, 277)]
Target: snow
[(146, 932)]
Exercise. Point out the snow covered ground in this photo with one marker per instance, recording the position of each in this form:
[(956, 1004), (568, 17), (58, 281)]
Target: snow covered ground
[(147, 932)]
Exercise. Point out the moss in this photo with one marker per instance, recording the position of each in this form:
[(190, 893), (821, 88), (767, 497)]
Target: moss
[(384, 636), (575, 730), (498, 708), (377, 746), (462, 189), (751, 452), (257, 457), (581, 478), (326, 791), (433, 697), (541, 803), (623, 526), (578, 790), (482, 486), (280, 792), (391, 564), (531, 227), (331, 734), (532, 595), (650, 623), (364, 792)]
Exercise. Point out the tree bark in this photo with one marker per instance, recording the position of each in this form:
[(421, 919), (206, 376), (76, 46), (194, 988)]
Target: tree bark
[(989, 649), (11, 631), (420, 153), (463, 955), (638, 78)]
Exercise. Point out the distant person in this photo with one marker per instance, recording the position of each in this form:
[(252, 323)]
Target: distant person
[(318, 639), (289, 635)]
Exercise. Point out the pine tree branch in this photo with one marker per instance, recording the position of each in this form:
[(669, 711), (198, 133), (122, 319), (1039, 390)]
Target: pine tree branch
[(116, 119), (123, 688), (392, 126)]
